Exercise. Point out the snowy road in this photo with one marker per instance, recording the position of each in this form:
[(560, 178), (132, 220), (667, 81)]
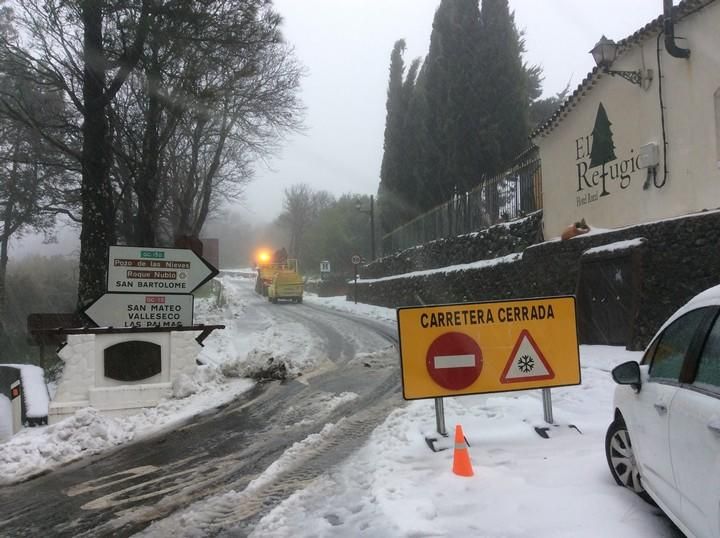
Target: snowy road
[(330, 410)]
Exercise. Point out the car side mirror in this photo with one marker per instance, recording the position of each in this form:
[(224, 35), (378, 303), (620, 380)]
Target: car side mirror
[(627, 373)]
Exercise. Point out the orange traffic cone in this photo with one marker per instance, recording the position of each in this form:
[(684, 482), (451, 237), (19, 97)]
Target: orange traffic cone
[(461, 459)]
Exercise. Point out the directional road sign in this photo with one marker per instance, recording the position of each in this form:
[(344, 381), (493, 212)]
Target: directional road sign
[(161, 270), (141, 310), (452, 350)]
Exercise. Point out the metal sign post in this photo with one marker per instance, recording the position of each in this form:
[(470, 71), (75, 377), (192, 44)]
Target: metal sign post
[(355, 286), (547, 405), (356, 261), (438, 442), (434, 442), (440, 417)]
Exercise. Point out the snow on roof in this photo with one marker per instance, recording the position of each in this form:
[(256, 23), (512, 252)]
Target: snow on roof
[(616, 246)]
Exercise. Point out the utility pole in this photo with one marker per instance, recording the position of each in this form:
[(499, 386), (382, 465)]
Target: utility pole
[(370, 212)]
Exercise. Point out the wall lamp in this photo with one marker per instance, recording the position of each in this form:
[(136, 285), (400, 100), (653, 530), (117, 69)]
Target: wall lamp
[(605, 52)]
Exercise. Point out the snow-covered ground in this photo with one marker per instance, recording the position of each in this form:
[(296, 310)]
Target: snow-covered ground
[(523, 485), (36, 450), (393, 485)]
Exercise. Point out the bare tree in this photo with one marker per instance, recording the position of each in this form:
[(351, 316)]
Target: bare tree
[(301, 207), (202, 108)]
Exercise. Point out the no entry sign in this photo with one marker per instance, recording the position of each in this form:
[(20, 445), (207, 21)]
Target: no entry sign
[(454, 360)]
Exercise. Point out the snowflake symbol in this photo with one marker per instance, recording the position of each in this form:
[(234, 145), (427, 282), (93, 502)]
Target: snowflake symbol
[(526, 364)]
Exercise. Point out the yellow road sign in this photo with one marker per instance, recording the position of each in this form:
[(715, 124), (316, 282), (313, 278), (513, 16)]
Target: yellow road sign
[(460, 349)]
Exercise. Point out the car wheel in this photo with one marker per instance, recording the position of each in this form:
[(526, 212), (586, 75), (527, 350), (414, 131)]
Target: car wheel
[(621, 459)]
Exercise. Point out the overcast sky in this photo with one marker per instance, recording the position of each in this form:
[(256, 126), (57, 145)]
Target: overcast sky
[(345, 46)]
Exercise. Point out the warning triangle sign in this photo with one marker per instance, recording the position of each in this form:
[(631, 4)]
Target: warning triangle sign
[(526, 362)]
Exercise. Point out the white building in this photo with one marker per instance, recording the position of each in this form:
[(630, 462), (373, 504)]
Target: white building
[(618, 152)]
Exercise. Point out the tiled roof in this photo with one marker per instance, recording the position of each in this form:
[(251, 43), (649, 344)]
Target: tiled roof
[(682, 10)]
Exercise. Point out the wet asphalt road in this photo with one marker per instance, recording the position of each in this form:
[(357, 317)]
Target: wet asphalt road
[(121, 493)]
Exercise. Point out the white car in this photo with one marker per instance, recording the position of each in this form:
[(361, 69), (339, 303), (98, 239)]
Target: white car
[(664, 442)]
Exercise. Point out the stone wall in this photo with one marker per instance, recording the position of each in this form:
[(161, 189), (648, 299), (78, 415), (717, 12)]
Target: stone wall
[(330, 287), (493, 242), (679, 258)]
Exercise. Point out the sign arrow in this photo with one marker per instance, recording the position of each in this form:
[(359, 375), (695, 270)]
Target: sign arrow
[(140, 310), (161, 270)]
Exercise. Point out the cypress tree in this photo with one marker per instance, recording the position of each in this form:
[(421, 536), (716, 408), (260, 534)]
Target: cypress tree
[(394, 120), (416, 152), (406, 193), (449, 136), (506, 115), (466, 116)]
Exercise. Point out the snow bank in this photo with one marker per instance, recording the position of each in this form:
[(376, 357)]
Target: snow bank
[(341, 304), (33, 451), (280, 351), (510, 258)]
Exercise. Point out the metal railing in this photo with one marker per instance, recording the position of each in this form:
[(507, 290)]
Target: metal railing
[(505, 197)]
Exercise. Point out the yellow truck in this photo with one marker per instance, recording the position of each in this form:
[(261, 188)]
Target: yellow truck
[(278, 277), (286, 285), (266, 266)]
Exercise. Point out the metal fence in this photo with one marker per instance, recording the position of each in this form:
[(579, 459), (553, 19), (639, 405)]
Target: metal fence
[(505, 197)]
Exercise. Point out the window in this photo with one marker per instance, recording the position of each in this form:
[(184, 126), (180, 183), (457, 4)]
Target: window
[(673, 345), (708, 374)]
